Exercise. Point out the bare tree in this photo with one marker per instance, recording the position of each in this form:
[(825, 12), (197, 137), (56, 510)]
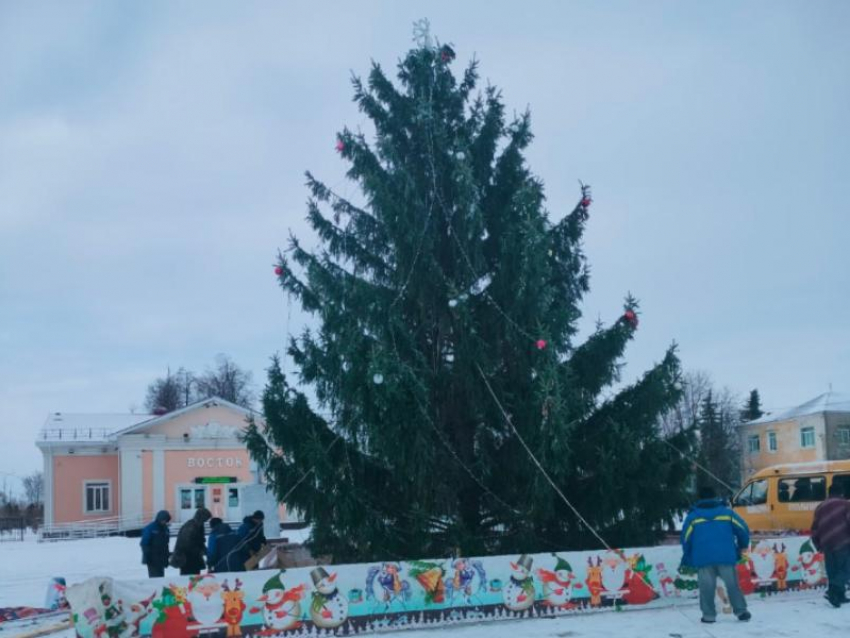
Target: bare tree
[(696, 385), (227, 381), (34, 488)]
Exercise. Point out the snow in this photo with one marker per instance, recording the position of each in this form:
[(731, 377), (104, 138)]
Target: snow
[(89, 427), (827, 402), (27, 567)]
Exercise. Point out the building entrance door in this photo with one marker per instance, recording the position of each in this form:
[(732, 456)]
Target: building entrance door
[(234, 504), (189, 500)]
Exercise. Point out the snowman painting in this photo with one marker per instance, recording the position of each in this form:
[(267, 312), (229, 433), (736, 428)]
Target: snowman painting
[(557, 584), (764, 563), (518, 594), (205, 598), (281, 608), (614, 568), (811, 563), (328, 607)]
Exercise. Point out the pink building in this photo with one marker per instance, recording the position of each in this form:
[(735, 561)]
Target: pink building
[(115, 471)]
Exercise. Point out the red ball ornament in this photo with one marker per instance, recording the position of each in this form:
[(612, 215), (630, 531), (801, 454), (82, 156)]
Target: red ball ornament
[(278, 271), (631, 318), (340, 146), (586, 202), (541, 344)]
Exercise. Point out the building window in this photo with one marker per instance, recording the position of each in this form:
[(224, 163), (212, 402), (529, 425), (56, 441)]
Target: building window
[(807, 437), (772, 445), (754, 444), (97, 497), (844, 436)]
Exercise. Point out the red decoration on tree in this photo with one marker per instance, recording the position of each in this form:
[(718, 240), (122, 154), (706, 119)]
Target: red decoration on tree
[(447, 54), (278, 270), (631, 318), (585, 202), (340, 146), (541, 344)]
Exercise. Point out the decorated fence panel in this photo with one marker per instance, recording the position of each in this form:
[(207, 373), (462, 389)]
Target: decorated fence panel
[(357, 599)]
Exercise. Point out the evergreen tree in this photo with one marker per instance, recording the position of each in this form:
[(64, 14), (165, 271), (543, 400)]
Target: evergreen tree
[(752, 408), (718, 445), (449, 281)]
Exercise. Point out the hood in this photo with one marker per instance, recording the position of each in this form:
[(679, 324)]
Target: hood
[(248, 520), (162, 516), (709, 503), (202, 515), (222, 528)]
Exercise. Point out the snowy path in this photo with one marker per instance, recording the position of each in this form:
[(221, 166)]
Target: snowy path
[(26, 568)]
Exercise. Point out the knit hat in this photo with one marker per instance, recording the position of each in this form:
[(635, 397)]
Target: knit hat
[(525, 562), (562, 564), (274, 582), (318, 575)]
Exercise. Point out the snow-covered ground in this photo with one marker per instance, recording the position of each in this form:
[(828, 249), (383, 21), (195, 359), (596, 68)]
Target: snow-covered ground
[(26, 568)]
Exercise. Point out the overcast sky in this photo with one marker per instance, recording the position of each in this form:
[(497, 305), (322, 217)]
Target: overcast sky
[(152, 158)]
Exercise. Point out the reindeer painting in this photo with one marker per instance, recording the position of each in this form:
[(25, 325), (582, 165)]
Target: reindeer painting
[(234, 607), (594, 581), (780, 567)]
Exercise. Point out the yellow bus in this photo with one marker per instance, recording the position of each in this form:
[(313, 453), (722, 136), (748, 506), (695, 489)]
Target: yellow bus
[(784, 497)]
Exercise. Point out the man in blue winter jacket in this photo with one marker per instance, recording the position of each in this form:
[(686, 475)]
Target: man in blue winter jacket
[(713, 538)]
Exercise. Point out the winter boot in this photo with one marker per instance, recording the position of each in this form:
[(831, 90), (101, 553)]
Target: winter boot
[(744, 616)]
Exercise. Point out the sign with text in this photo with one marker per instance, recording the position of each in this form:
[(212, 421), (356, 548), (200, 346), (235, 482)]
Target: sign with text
[(214, 461)]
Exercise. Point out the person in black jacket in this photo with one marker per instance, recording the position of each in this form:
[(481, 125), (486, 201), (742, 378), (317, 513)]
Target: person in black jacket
[(189, 549), (226, 552), (154, 544)]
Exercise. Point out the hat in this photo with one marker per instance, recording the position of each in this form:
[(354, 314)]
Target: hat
[(258, 514), (318, 575), (274, 582), (562, 564), (807, 547), (525, 562)]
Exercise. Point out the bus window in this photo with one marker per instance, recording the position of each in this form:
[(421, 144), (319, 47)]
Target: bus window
[(844, 481), (753, 494), (802, 489)]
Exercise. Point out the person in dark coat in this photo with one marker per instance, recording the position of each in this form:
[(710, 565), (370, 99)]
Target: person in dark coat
[(251, 532), (226, 552), (713, 537), (831, 535), (154, 544), (189, 549)]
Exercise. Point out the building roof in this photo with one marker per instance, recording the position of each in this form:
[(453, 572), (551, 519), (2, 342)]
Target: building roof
[(212, 401), (826, 402), (64, 426)]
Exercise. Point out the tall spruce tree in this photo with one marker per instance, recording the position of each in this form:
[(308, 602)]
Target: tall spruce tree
[(449, 281), (752, 408)]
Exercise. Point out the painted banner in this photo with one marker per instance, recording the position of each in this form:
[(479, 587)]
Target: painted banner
[(349, 600)]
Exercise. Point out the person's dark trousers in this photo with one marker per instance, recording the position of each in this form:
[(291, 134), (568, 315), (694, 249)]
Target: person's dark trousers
[(707, 580), (838, 573), (155, 571)]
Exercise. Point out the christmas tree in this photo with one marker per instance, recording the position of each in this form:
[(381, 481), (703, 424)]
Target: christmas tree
[(446, 307)]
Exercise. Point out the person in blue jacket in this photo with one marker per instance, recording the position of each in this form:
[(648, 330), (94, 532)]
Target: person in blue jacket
[(251, 532), (226, 551), (155, 536), (713, 537)]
